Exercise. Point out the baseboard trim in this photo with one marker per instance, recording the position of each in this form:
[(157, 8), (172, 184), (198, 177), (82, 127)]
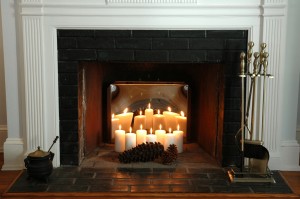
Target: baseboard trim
[(13, 154)]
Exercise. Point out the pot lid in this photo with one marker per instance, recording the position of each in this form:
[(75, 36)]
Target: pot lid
[(38, 153)]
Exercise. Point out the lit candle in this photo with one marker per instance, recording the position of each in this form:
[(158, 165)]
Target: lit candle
[(169, 139), (160, 135), (125, 119), (170, 118), (149, 117), (158, 119), (178, 139), (151, 137), (130, 140), (141, 135), (138, 121), (119, 140), (114, 125), (181, 121)]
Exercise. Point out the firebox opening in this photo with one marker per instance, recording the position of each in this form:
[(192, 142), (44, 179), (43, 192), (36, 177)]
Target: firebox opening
[(205, 99)]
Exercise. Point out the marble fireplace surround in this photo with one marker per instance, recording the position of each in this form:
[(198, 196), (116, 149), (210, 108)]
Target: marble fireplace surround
[(33, 116)]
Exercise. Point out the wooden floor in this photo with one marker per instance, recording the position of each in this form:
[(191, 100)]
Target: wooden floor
[(7, 178)]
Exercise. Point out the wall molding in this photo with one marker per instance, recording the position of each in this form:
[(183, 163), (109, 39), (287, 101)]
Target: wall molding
[(3, 136)]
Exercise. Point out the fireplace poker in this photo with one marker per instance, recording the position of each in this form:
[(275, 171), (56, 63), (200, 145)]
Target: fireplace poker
[(54, 141)]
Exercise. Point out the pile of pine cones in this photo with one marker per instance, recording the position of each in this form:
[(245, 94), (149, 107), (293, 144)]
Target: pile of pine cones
[(148, 152)]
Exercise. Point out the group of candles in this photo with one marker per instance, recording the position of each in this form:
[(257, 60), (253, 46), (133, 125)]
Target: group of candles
[(145, 125)]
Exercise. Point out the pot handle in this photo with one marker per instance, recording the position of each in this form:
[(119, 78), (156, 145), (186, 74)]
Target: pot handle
[(26, 161)]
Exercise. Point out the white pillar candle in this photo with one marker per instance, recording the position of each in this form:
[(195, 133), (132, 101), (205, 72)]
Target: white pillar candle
[(141, 136), (130, 140), (181, 121), (114, 125), (125, 119), (119, 140), (160, 135), (151, 137), (170, 120), (178, 139), (138, 121), (169, 139), (149, 117), (158, 119)]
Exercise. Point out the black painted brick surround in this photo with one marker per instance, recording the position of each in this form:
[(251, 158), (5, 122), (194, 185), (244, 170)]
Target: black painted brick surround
[(159, 46)]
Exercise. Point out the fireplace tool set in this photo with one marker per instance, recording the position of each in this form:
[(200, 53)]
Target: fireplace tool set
[(254, 156)]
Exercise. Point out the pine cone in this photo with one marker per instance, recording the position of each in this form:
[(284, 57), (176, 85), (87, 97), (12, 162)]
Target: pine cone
[(170, 155), (142, 153)]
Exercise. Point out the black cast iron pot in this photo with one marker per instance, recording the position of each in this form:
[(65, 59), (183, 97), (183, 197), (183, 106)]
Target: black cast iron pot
[(39, 163)]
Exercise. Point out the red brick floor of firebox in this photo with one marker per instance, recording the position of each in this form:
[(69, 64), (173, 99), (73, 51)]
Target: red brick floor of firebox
[(194, 172)]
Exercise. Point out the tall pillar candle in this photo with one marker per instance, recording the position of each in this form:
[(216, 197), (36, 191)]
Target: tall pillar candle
[(178, 139), (158, 120), (138, 121), (125, 119), (170, 120), (119, 140), (149, 117), (130, 140), (160, 135), (141, 136), (169, 139), (181, 121), (114, 125)]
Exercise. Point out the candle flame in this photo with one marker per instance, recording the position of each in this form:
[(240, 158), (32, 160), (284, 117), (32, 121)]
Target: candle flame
[(178, 127), (182, 113), (149, 106), (151, 131), (170, 130), (120, 126), (140, 112), (158, 111), (169, 109), (113, 116), (141, 126), (160, 127), (130, 130), (125, 110)]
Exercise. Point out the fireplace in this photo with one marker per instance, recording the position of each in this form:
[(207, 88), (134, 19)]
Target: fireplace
[(206, 60)]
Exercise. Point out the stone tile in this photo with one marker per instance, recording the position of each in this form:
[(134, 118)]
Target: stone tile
[(68, 188), (209, 182), (105, 188), (150, 188), (28, 188), (131, 181), (151, 175), (169, 181), (171, 170), (89, 181), (189, 176), (227, 189)]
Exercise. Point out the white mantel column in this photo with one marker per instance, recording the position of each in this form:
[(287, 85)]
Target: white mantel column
[(13, 146)]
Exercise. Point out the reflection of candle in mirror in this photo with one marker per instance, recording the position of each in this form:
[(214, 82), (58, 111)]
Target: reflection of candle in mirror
[(138, 121), (169, 139), (151, 137), (141, 135), (178, 139), (119, 140), (149, 117), (158, 119), (125, 119), (170, 120), (181, 121), (114, 125), (130, 140), (160, 135)]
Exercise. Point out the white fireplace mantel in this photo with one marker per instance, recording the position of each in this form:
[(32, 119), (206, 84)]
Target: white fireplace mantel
[(30, 52)]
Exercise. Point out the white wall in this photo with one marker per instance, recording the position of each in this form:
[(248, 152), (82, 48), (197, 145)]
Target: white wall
[(3, 122)]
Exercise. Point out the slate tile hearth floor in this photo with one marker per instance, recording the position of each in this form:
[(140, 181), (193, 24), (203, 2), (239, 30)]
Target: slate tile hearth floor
[(194, 172)]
